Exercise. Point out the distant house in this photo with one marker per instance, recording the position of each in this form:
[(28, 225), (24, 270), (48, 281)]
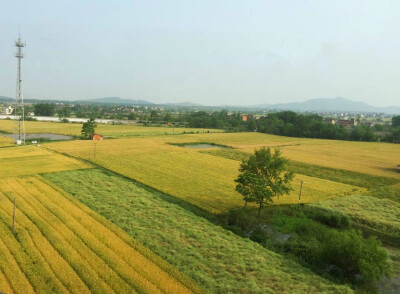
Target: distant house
[(246, 117), (347, 122), (369, 124), (8, 110), (330, 121), (96, 137)]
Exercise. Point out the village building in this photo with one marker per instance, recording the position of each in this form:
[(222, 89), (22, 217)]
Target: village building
[(347, 122), (329, 121), (246, 117), (96, 137), (369, 124)]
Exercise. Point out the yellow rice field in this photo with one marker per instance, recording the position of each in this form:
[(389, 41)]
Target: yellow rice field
[(201, 179), (28, 160), (61, 246), (74, 129), (4, 141), (375, 158)]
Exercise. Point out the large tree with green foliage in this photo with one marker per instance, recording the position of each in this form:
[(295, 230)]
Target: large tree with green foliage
[(88, 128), (44, 109), (263, 176)]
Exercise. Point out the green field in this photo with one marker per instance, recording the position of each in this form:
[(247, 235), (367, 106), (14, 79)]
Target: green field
[(217, 259)]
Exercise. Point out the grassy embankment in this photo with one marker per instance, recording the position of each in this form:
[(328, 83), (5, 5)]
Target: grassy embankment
[(217, 259)]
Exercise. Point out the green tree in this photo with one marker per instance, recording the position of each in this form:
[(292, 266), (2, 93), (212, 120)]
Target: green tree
[(88, 128), (252, 125), (132, 116), (44, 109), (263, 176), (396, 121)]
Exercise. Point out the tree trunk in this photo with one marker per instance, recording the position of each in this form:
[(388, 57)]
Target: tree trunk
[(259, 209), (245, 204)]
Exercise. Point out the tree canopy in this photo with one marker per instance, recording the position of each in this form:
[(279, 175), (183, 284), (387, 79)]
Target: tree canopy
[(88, 128), (264, 176)]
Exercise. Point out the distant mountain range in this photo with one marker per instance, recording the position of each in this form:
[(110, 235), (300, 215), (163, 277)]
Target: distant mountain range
[(313, 105), (114, 100), (332, 105)]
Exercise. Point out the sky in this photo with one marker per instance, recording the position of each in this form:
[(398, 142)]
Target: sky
[(209, 52)]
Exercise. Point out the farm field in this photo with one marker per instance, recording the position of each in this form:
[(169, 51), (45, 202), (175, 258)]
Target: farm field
[(217, 259), (28, 160), (200, 179), (380, 214), (113, 131), (5, 141), (375, 158), (61, 246)]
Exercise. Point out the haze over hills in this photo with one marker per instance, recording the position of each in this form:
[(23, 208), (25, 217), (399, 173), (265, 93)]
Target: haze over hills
[(337, 104), (333, 105)]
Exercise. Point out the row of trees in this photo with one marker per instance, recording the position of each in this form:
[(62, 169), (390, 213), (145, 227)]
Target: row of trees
[(288, 123)]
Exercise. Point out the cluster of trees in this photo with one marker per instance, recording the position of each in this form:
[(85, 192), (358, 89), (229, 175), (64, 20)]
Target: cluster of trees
[(324, 240), (217, 119), (292, 124)]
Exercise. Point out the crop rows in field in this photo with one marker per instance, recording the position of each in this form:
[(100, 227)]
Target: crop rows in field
[(28, 160), (115, 131), (217, 259), (60, 246), (201, 179)]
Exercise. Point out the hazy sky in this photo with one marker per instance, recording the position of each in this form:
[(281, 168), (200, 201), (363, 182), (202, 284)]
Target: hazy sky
[(209, 52)]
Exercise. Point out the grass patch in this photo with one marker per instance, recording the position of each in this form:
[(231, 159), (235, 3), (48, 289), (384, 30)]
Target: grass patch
[(200, 143), (322, 240), (218, 260)]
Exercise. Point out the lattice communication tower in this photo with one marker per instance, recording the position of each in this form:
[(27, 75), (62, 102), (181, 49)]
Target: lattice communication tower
[(19, 125)]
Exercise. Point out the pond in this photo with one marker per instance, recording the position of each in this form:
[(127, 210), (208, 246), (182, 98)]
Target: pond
[(46, 136), (202, 146)]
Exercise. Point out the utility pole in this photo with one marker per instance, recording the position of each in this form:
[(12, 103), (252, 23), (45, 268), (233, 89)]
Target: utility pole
[(19, 125), (301, 187), (13, 224)]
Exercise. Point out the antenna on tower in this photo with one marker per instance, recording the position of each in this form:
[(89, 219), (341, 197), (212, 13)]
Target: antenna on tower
[(19, 125)]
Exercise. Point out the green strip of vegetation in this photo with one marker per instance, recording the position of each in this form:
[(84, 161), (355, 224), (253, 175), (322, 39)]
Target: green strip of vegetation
[(321, 240), (217, 259), (201, 143)]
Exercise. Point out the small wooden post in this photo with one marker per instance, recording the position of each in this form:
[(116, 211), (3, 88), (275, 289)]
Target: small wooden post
[(13, 224), (94, 149), (301, 187)]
